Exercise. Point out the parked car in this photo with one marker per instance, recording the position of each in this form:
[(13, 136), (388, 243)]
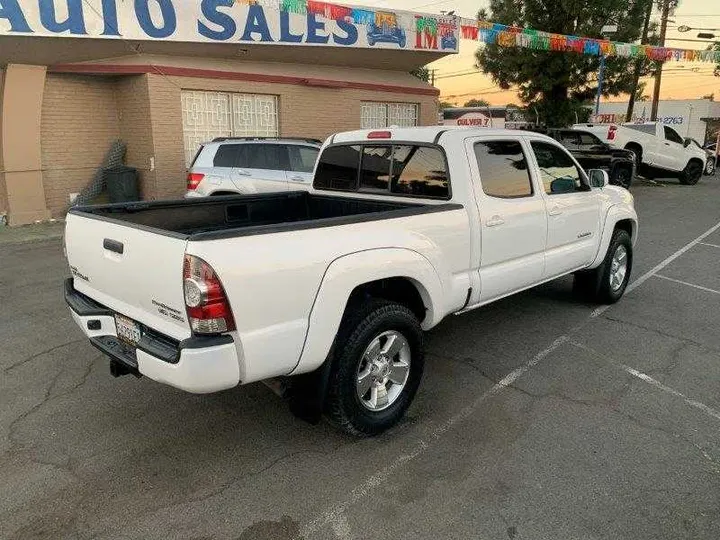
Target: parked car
[(592, 153), (659, 149), (334, 287), (246, 165), (711, 166)]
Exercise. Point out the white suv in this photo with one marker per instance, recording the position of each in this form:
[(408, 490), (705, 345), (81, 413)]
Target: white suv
[(244, 165)]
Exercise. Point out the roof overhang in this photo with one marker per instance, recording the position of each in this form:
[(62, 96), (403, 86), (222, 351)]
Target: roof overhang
[(50, 51)]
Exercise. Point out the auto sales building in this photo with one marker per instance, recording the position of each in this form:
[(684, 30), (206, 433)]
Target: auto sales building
[(163, 76)]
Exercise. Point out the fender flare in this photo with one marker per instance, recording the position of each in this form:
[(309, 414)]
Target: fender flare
[(347, 273), (614, 215)]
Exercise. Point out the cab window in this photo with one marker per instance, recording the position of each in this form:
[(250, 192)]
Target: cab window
[(672, 135), (558, 171), (503, 169)]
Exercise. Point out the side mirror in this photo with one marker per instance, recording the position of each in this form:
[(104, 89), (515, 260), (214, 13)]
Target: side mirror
[(687, 143), (598, 178), (562, 185)]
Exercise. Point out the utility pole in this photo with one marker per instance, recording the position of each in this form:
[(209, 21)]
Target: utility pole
[(639, 62), (666, 4), (432, 77)]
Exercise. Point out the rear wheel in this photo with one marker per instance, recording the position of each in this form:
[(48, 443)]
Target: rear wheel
[(377, 367), (606, 284), (692, 173)]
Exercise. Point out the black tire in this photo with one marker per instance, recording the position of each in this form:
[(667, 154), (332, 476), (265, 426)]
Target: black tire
[(622, 176), (361, 324), (595, 285), (693, 173), (710, 166), (637, 150)]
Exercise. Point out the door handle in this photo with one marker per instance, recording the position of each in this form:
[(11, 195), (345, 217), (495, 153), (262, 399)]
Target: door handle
[(114, 246), (243, 172), (556, 210), (667, 144), (494, 221), (297, 178)]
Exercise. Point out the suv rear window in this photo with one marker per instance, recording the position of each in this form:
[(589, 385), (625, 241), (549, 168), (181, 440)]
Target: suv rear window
[(410, 170), (273, 157), (228, 155)]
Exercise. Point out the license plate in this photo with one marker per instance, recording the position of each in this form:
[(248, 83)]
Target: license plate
[(127, 330)]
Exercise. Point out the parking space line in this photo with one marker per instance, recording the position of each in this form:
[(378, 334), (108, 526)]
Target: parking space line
[(647, 275), (693, 285), (708, 244), (335, 515), (648, 379), (657, 384)]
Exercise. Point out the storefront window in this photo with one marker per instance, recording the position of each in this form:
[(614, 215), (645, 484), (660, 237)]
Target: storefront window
[(207, 115), (374, 114)]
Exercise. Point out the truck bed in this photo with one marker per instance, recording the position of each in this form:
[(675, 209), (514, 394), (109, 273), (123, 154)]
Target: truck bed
[(242, 215)]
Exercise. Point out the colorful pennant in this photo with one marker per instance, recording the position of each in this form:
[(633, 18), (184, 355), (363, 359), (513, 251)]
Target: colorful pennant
[(512, 36)]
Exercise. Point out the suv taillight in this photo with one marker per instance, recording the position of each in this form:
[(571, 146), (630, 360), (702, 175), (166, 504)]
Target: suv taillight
[(193, 180), (207, 304), (611, 133)]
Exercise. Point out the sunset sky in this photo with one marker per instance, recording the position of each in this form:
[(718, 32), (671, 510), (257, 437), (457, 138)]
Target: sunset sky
[(682, 80)]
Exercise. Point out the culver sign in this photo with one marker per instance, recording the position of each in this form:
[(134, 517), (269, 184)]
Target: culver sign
[(224, 21), (475, 119)]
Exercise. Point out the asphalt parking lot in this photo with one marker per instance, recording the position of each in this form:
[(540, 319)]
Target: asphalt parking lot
[(539, 417)]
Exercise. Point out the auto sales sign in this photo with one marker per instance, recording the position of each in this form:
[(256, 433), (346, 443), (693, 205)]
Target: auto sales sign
[(301, 22)]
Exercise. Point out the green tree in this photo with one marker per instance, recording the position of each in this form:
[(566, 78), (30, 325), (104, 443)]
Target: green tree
[(557, 85), (476, 103), (422, 73), (446, 105), (716, 47)]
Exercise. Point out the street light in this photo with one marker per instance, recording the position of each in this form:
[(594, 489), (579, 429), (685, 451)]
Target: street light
[(706, 35), (607, 29)]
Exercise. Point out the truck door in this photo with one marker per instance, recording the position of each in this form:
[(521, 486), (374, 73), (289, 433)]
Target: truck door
[(573, 210), (513, 220)]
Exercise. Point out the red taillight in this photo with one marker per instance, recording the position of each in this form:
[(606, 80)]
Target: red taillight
[(193, 180), (379, 135), (611, 133), (207, 304)]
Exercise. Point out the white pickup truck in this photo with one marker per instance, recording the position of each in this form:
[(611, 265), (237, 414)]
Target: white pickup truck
[(335, 286), (659, 150)]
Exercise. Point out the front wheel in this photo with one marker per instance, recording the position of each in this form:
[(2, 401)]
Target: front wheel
[(692, 173), (710, 167), (377, 366), (606, 284)]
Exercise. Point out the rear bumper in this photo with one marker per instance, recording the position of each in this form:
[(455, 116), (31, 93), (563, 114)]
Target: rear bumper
[(199, 365)]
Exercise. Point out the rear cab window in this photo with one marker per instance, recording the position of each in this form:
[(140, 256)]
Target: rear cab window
[(503, 169), (399, 169)]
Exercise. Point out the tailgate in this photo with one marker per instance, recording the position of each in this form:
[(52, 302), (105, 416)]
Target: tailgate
[(133, 271)]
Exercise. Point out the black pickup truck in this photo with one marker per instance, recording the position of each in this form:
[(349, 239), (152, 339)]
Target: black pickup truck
[(592, 153)]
